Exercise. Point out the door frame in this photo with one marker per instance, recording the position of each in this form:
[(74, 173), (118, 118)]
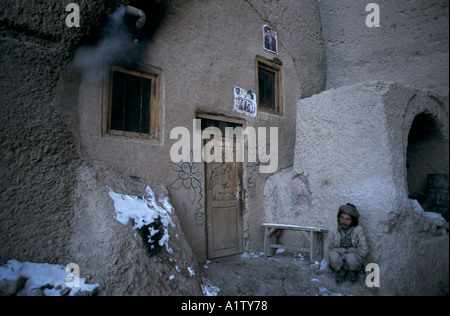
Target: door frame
[(240, 175)]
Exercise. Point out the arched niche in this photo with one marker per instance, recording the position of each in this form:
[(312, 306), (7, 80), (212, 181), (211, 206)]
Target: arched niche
[(427, 174)]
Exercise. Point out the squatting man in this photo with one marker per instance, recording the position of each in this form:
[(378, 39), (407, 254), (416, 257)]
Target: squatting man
[(347, 246)]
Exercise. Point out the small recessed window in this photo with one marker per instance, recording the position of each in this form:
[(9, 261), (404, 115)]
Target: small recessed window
[(268, 80), (133, 103)]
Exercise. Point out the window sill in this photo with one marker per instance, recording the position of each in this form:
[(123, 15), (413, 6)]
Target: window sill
[(132, 138)]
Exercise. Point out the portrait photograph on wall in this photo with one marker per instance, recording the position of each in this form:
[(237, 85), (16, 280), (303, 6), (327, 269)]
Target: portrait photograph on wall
[(270, 40)]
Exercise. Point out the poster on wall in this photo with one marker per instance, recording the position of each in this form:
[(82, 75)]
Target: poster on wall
[(245, 102), (270, 40)]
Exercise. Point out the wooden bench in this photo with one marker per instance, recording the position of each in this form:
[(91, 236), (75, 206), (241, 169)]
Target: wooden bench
[(274, 231)]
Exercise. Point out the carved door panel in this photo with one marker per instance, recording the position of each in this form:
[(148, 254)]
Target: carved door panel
[(224, 208)]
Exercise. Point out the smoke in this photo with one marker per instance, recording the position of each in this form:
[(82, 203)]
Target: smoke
[(116, 40)]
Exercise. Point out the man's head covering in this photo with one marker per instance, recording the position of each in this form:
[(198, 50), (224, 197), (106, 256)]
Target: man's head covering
[(350, 210)]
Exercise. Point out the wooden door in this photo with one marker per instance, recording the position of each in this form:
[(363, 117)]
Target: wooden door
[(224, 207)]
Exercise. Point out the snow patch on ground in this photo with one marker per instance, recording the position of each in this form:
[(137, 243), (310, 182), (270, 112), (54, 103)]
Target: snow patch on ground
[(191, 271), (42, 279), (280, 250), (325, 292), (435, 217), (209, 289)]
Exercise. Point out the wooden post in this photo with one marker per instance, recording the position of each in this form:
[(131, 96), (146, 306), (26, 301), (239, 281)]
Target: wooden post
[(268, 251), (316, 247)]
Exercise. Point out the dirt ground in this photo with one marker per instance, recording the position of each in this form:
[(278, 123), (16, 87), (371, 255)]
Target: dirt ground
[(286, 274)]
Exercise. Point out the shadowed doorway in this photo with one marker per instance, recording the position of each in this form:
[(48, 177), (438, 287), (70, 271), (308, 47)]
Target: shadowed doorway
[(427, 165)]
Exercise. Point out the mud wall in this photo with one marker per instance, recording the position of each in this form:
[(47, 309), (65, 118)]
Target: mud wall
[(203, 49), (409, 47), (55, 205), (352, 140), (38, 153), (352, 147)]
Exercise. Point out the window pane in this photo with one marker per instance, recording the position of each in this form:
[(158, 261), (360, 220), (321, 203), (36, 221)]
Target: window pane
[(266, 81), (146, 99), (130, 105), (117, 101), (133, 104)]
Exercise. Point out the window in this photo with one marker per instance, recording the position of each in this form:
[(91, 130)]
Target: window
[(268, 81), (133, 103)]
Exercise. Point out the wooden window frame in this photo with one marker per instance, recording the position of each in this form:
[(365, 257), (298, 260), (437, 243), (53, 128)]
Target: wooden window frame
[(139, 71), (263, 63)]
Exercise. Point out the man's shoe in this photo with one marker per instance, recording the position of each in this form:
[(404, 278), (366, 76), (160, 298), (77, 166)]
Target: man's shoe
[(340, 279), (353, 278)]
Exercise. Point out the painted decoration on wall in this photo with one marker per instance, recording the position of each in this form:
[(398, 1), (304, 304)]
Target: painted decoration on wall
[(270, 39), (245, 102), (189, 178)]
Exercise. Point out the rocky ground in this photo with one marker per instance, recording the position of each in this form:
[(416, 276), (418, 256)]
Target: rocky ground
[(286, 274)]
